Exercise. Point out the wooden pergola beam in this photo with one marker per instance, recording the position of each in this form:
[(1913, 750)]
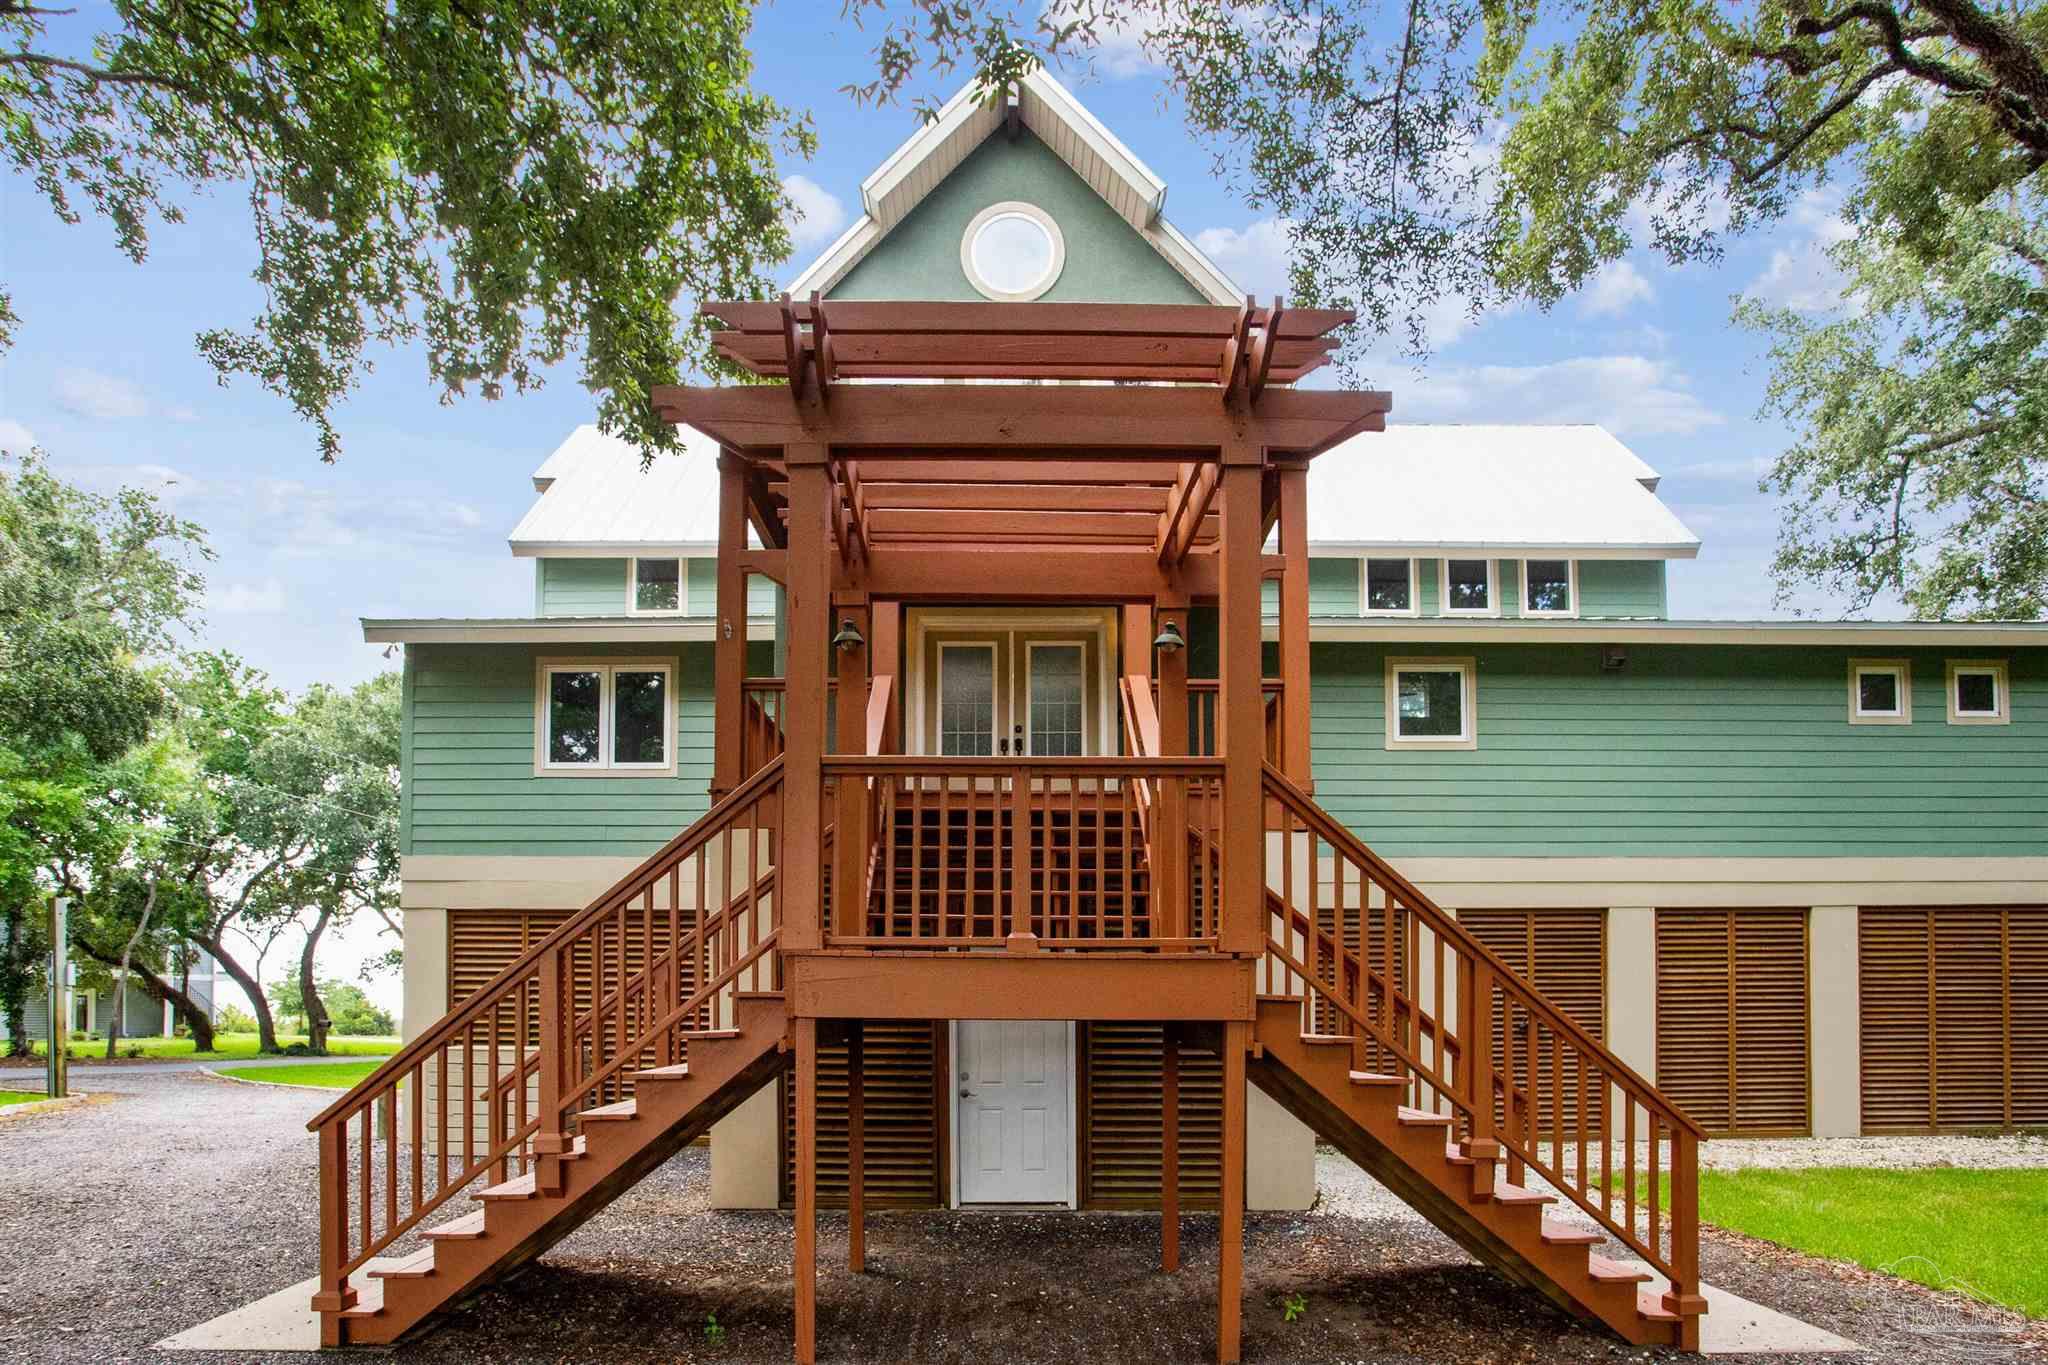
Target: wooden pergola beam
[(1029, 573)]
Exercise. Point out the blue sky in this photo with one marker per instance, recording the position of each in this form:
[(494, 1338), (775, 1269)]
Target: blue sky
[(412, 521)]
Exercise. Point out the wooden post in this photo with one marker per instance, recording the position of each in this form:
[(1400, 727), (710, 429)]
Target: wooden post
[(800, 874), (1683, 1297), (1169, 1151), (334, 1293), (729, 646), (804, 1267), (851, 840), (1294, 664), (1021, 938), (1475, 1025), (549, 1142), (1240, 709), (1230, 1233), (1173, 686), (856, 1148), (1172, 883)]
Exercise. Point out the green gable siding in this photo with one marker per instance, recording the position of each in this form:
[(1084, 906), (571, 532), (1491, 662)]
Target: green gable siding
[(1507, 581), (1333, 587), (1426, 571), (1622, 587), (582, 587), (1108, 261), (1687, 751)]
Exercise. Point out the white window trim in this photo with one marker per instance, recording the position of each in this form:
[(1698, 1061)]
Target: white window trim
[(1365, 587), (2001, 682), (682, 606), (1013, 208), (1571, 572), (1443, 588), (607, 669), (1904, 671), (1467, 669)]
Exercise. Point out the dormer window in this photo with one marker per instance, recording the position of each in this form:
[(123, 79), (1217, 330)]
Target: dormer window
[(1389, 587), (655, 587), (1550, 587), (1468, 587)]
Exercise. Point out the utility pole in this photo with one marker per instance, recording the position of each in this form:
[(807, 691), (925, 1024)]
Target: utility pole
[(60, 1001)]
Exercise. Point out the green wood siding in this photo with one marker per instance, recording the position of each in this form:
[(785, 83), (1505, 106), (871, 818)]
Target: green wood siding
[(582, 587), (1107, 260), (1687, 751), (1622, 587), (469, 749), (1426, 571)]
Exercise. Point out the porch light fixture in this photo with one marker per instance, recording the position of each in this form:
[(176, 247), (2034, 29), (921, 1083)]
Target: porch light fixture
[(849, 636), (1169, 640)]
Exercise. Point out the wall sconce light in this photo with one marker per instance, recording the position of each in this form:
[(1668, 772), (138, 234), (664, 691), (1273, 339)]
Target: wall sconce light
[(1613, 658), (849, 636), (1169, 640)]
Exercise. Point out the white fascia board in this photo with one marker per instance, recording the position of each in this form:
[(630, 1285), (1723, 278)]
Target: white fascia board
[(1194, 265), (564, 631), (842, 256), (610, 549), (1439, 549), (1511, 630), (954, 114), (1121, 160)]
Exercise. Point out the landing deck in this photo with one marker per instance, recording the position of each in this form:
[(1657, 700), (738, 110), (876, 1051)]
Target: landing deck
[(1099, 984)]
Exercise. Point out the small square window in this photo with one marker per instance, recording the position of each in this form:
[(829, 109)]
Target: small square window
[(1547, 588), (1431, 704), (1468, 586), (1977, 693), (657, 585), (1880, 692), (1390, 585)]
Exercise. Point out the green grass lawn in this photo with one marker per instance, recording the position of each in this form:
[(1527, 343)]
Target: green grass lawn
[(324, 1075), (1977, 1232), (8, 1097), (225, 1045)]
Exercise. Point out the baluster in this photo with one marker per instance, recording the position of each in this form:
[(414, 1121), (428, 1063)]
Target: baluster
[(1628, 1184), (550, 1142), (391, 1158), (945, 855), (1684, 1296), (916, 858), (494, 1121), (1021, 938), (1656, 1196), (364, 1165), (419, 1094)]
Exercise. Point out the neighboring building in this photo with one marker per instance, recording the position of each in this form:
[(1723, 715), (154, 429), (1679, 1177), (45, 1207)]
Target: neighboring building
[(92, 1009), (1793, 873)]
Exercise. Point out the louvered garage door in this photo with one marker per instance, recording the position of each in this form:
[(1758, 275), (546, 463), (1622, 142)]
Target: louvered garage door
[(1732, 1018), (1563, 953), (1954, 1017), (1120, 1123), (900, 1097)]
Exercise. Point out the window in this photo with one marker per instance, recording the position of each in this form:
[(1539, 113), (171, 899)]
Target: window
[(1389, 587), (1880, 692), (1012, 252), (1468, 587), (1432, 704), (1550, 587), (655, 587), (605, 716), (1977, 692)]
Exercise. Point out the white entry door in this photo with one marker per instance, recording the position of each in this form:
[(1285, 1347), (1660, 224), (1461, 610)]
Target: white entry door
[(1015, 1120)]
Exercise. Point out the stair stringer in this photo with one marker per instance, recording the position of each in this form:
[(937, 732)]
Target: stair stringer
[(1313, 1082), (670, 1112)]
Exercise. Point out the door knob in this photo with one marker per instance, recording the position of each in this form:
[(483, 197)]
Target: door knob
[(965, 1093)]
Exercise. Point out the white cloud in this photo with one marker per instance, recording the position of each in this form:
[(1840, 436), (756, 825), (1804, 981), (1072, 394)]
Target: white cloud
[(1255, 256), (1119, 51), (240, 599), (1613, 290), (102, 397), (462, 514), (1747, 469), (1800, 276), (819, 215), (15, 438), (1630, 395)]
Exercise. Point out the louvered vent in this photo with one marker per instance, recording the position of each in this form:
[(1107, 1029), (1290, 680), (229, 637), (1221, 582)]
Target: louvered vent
[(900, 1153), (1562, 953), (1732, 1018), (1120, 1123)]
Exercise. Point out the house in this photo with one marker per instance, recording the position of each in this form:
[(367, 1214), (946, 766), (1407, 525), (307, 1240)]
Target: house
[(1090, 782), (145, 1016)]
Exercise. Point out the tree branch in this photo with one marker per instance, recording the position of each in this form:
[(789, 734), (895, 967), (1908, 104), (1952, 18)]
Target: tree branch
[(99, 75)]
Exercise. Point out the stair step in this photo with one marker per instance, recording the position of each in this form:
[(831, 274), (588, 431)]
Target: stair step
[(1328, 1039), (1616, 1272), (1504, 1193), (1565, 1235), (1422, 1118), (519, 1187), (465, 1228), (705, 1035), (1373, 1078), (679, 1072), (1455, 1154), (624, 1109), (369, 1298), (417, 1266), (1650, 1303)]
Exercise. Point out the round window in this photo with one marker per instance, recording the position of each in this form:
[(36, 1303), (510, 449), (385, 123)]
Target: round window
[(1012, 252)]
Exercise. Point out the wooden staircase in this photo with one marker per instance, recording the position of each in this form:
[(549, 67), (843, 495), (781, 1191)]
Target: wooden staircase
[(517, 1219)]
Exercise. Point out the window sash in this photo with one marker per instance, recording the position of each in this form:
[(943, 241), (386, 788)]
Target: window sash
[(599, 744), (1398, 701), (682, 605), (1898, 706), (1366, 606), (605, 758), (1997, 706), (1571, 588), (662, 717), (1492, 604)]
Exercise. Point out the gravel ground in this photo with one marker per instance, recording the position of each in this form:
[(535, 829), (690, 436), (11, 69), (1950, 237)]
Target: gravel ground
[(181, 1197)]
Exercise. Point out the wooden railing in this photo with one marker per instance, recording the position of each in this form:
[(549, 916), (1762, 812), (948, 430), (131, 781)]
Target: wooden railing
[(493, 1089), (1370, 955), (1203, 731), (990, 852)]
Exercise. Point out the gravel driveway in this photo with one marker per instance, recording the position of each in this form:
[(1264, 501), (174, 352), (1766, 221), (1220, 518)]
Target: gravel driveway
[(179, 1196)]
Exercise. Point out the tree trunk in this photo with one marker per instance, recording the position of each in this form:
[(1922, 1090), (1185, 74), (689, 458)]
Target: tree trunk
[(121, 974), (17, 979), (266, 1027), (316, 1012), (197, 1020)]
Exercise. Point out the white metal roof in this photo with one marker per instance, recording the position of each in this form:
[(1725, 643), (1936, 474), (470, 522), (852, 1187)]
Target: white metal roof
[(1060, 121), (1498, 487), (596, 499)]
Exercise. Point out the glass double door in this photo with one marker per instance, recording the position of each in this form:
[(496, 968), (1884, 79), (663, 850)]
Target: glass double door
[(1019, 692)]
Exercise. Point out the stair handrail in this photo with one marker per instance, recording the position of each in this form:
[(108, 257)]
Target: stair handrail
[(1480, 1082)]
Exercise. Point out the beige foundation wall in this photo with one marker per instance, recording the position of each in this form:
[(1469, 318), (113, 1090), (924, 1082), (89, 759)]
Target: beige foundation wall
[(744, 1145), (1833, 971), (1279, 1156)]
